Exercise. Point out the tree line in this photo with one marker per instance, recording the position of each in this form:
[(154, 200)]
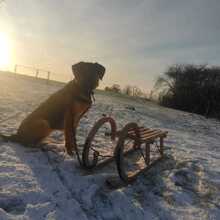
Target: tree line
[(133, 91), (192, 88)]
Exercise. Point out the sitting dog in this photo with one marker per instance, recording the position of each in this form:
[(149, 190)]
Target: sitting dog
[(63, 109)]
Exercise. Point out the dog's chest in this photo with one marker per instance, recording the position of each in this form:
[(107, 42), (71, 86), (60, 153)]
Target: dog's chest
[(80, 108)]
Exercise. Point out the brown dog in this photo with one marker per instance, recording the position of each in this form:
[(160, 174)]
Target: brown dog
[(63, 109)]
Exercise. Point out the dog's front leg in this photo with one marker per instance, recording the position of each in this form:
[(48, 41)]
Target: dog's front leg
[(69, 132)]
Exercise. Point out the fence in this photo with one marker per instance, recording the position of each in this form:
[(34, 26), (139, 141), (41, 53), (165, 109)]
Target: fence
[(42, 73), (32, 71)]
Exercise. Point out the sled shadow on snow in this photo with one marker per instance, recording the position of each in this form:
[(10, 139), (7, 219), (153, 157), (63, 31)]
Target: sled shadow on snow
[(48, 172)]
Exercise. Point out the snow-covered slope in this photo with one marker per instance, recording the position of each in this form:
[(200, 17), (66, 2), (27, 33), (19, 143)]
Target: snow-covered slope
[(44, 185)]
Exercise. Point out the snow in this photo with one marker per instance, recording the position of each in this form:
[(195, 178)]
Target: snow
[(36, 184)]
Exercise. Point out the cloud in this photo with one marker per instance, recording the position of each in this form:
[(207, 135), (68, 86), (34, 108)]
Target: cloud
[(136, 40)]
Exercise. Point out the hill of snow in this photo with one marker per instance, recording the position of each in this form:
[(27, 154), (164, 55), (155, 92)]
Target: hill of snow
[(41, 185)]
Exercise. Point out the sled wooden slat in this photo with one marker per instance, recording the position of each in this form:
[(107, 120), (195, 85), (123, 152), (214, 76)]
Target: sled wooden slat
[(155, 135), (145, 134)]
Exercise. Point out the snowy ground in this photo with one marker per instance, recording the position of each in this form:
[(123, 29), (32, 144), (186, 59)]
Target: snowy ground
[(39, 185)]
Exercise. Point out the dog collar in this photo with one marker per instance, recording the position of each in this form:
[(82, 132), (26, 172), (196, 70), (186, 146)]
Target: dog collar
[(86, 98)]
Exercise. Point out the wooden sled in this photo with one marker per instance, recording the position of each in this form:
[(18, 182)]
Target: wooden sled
[(143, 141)]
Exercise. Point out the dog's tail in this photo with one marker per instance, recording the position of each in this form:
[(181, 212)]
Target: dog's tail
[(13, 137)]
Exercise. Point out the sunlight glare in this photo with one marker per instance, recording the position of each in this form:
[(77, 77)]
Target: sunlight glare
[(4, 51)]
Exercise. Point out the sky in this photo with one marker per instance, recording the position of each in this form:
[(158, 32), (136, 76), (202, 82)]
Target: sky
[(136, 40)]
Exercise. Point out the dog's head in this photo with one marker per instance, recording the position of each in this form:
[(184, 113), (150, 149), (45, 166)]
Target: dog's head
[(88, 74)]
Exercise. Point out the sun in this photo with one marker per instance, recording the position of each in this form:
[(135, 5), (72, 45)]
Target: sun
[(4, 51)]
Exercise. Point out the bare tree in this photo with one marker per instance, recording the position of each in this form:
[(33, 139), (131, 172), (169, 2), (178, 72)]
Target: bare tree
[(116, 88), (128, 90), (193, 88), (136, 91)]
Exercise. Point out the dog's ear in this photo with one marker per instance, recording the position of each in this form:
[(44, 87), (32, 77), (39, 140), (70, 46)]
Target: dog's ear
[(100, 70), (78, 70)]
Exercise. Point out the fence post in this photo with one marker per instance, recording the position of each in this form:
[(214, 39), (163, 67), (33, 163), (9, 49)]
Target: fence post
[(15, 69), (48, 77), (37, 72)]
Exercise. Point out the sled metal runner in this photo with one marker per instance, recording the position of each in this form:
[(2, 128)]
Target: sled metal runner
[(147, 143)]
